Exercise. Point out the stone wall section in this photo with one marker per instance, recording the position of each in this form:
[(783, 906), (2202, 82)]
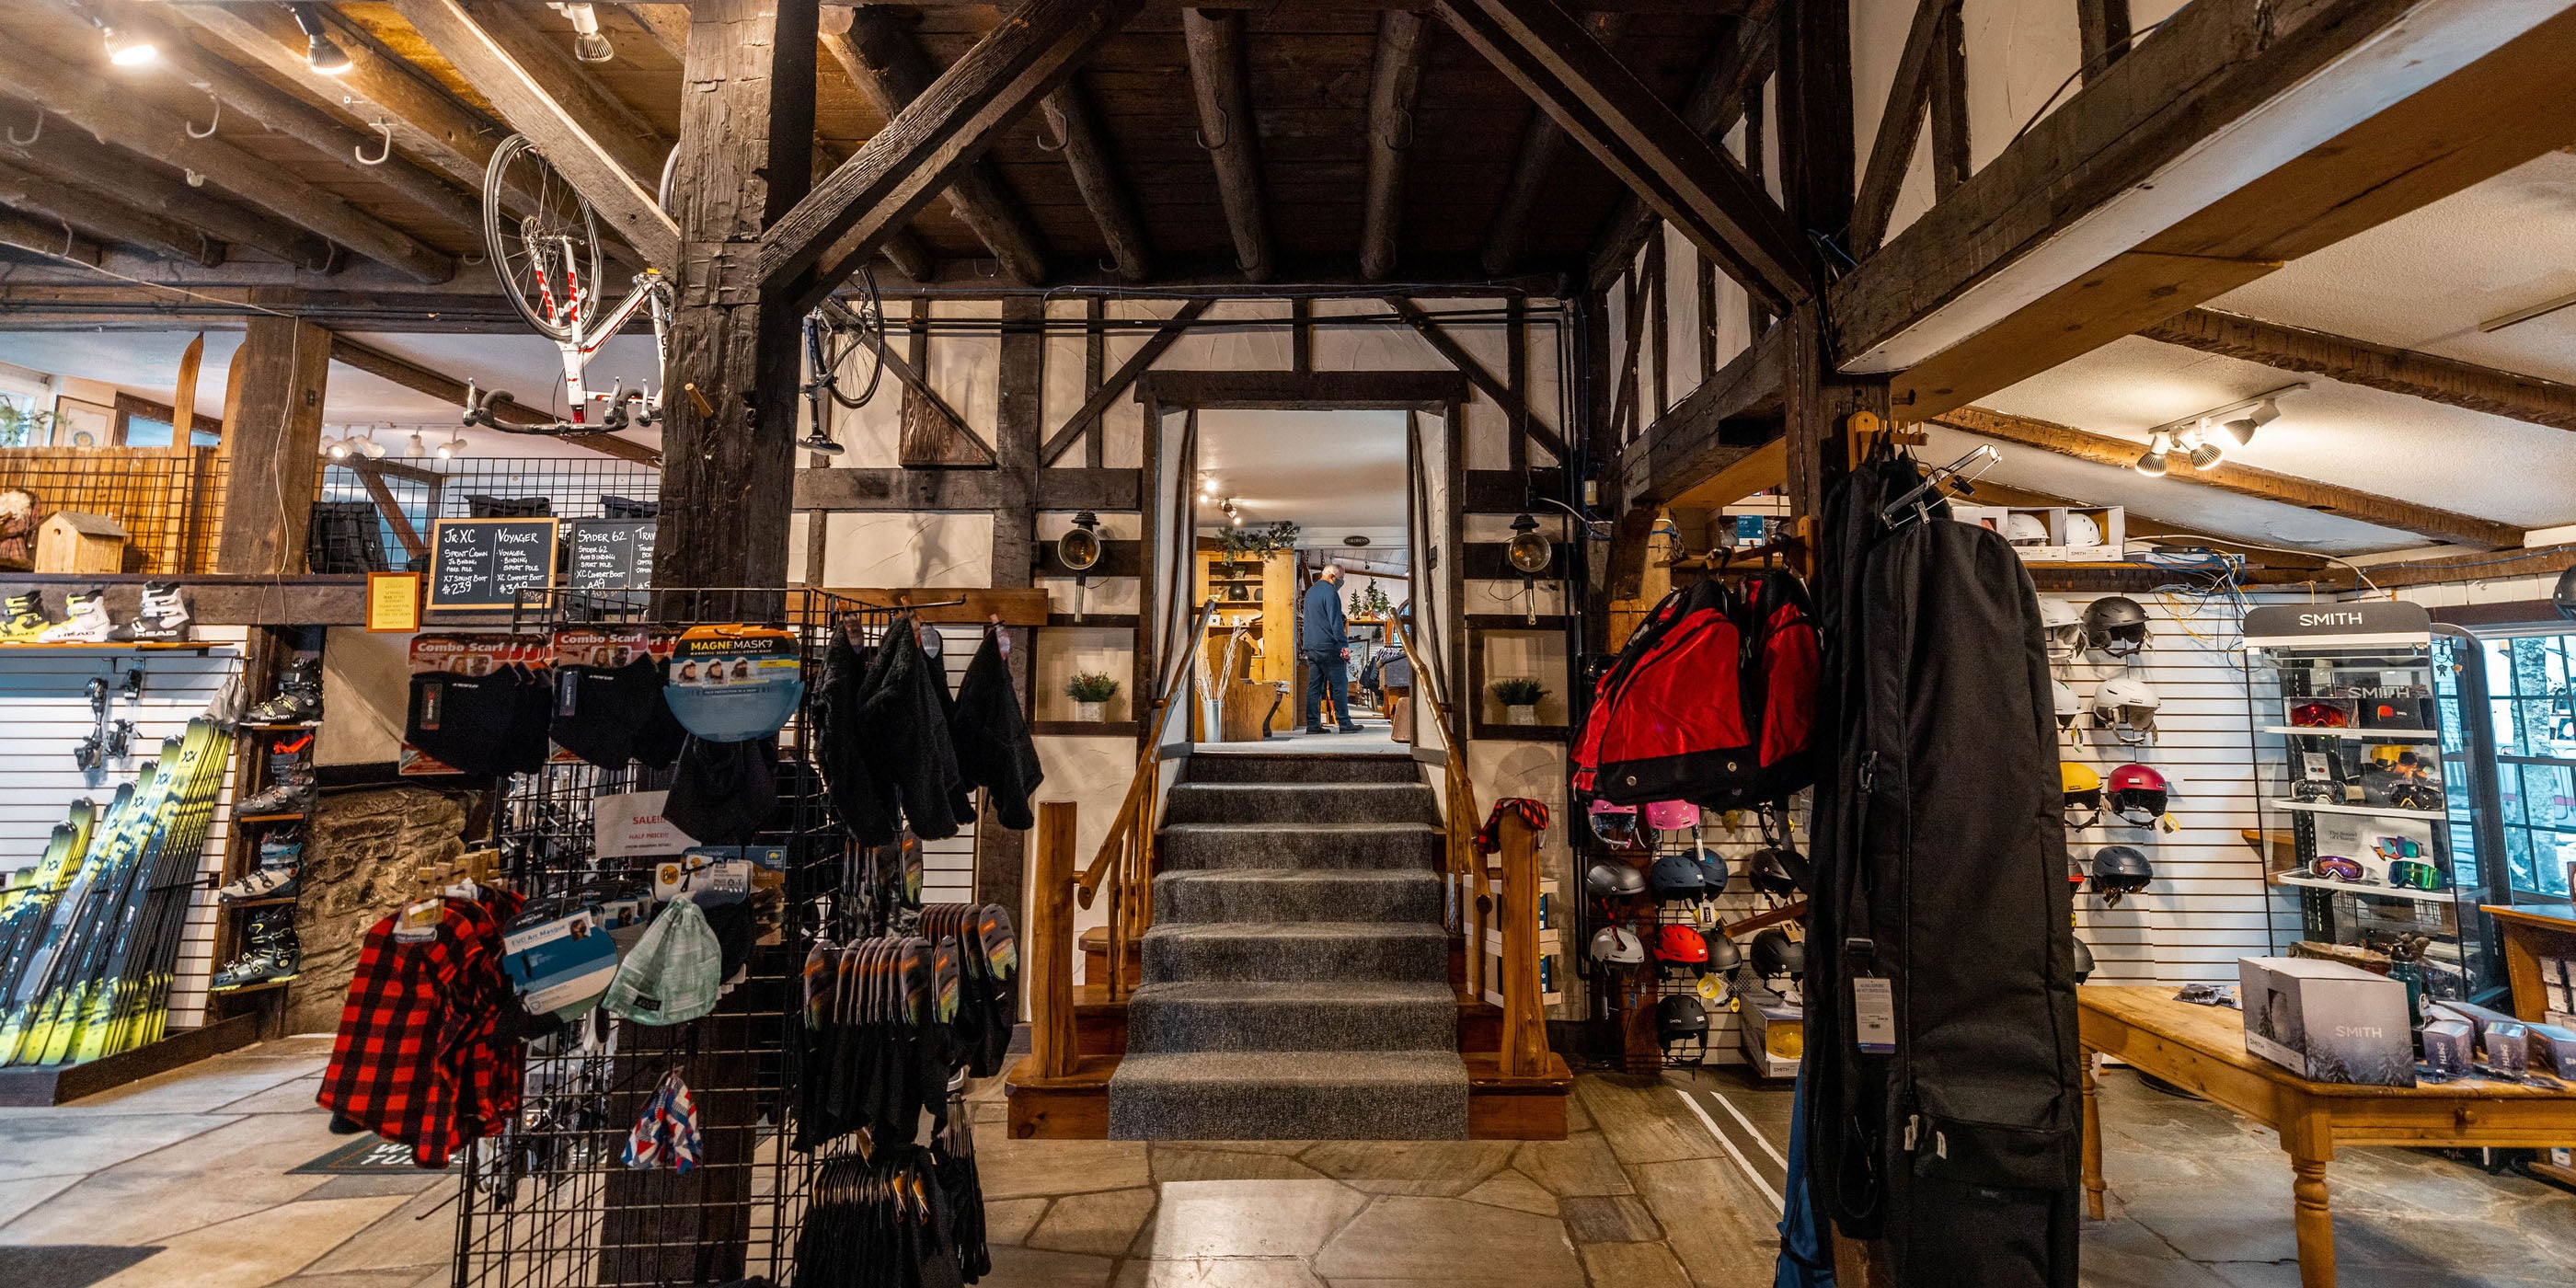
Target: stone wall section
[(361, 851)]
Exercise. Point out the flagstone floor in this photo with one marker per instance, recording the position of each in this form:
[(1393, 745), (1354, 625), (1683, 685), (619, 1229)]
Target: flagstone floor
[(1666, 1183)]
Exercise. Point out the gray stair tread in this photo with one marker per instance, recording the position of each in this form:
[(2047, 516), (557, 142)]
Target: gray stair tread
[(1255, 992), (1308, 876), (1297, 930), (1301, 788), (1320, 1069), (1274, 829)]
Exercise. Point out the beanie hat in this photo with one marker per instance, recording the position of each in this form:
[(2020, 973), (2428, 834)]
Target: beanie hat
[(674, 973)]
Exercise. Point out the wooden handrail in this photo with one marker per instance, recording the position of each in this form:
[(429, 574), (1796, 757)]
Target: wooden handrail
[(1524, 1052), (1052, 1045), (1138, 784), (1459, 818)]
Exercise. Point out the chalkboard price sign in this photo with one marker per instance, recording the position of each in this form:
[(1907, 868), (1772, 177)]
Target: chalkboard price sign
[(485, 563), (611, 554)]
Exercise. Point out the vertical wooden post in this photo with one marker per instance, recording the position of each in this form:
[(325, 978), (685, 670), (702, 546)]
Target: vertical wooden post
[(1050, 923), (272, 443), (1524, 1052), (1001, 854)]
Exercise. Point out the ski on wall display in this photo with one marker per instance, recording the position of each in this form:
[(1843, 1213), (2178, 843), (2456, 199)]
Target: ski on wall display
[(30, 911), (99, 981)]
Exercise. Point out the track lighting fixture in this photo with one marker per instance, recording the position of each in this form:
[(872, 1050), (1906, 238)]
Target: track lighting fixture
[(320, 53), (2207, 437), (370, 448), (2152, 461), (452, 448), (337, 449), (126, 50), (588, 44), (416, 448)]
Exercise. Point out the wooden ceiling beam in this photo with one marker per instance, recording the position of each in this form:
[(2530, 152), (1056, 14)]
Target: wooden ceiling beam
[(1542, 142), (1692, 453), (1900, 123), (883, 57), (584, 142), (1735, 70), (1084, 145), (2447, 381), (51, 238), (2365, 507), (104, 219), (2240, 137), (274, 109), (428, 122), (1395, 78), (69, 157), (899, 169), (667, 25), (425, 380), (103, 107), (1220, 82)]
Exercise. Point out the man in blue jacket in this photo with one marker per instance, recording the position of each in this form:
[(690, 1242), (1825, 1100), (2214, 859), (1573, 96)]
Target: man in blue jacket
[(1324, 638)]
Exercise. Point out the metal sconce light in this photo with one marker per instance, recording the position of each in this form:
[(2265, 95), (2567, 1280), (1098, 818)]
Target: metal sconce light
[(1079, 550), (1530, 553), (321, 54)]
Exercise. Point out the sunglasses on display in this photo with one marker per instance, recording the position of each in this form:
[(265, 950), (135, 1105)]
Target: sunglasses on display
[(2416, 796)]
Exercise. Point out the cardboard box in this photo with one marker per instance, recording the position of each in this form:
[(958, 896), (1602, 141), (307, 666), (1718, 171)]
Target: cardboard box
[(1774, 1034), (2553, 1047), (2450, 1046), (2327, 1021), (2479, 1017)]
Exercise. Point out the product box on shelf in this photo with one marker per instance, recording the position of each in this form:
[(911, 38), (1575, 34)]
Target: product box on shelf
[(2479, 1017), (2450, 1046), (1774, 1033), (2553, 1047), (2508, 1049), (2327, 1021), (2396, 703), (1551, 977), (2076, 534)]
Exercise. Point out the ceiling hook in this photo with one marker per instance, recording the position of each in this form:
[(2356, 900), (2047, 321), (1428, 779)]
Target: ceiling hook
[(30, 140), (1057, 146), (195, 180), (383, 153), (1401, 140), (208, 132), (1225, 119)]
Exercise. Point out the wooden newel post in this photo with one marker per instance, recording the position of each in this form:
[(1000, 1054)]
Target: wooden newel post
[(1050, 952), (1524, 1019)]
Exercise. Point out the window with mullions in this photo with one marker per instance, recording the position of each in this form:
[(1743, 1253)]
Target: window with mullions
[(2532, 713)]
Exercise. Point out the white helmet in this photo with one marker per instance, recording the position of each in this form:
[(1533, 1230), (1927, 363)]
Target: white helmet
[(2081, 530), (2068, 705), (2023, 528), (2127, 708), (2061, 625)]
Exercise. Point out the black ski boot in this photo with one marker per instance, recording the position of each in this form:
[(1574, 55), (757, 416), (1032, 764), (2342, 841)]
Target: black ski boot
[(271, 954), (292, 793), (299, 696)]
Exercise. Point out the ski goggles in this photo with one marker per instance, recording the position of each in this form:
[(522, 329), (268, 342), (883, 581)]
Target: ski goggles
[(2335, 867), (2411, 874)]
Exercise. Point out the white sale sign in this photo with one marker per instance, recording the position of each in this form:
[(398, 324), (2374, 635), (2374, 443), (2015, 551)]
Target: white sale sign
[(630, 825)]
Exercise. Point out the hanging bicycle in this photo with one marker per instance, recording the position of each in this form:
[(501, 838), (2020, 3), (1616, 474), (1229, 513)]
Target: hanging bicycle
[(542, 239), (849, 325)]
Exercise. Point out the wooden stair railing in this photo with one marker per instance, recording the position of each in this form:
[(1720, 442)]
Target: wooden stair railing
[(1524, 1052), (1124, 864), (1463, 869), (1052, 1045)]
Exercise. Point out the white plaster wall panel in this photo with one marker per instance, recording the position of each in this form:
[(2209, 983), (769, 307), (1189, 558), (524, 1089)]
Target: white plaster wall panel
[(1879, 29), (1515, 596), (1093, 773), (965, 364), (1063, 389), (907, 549), (1068, 651), (44, 704), (1124, 422), (800, 526), (366, 686), (872, 434), (1647, 359), (1547, 360), (1233, 335), (1369, 347), (2018, 53), (1681, 328), (1614, 329)]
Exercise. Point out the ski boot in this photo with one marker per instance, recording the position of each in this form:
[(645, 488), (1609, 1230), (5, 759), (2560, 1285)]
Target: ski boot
[(299, 696), (161, 617), (271, 954), (87, 624), (292, 793), (22, 618), (261, 883)]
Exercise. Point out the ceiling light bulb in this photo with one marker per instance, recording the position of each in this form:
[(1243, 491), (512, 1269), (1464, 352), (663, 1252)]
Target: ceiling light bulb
[(2151, 464), (2205, 455), (337, 450), (2242, 429), (447, 451), (127, 51), (416, 448), (588, 44), (323, 57), (1238, 520), (374, 450)]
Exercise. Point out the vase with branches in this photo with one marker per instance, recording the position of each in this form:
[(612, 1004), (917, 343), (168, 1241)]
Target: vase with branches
[(22, 428)]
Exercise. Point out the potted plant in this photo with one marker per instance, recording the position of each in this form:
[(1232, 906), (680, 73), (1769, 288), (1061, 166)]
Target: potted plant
[(1088, 693), (1519, 697)]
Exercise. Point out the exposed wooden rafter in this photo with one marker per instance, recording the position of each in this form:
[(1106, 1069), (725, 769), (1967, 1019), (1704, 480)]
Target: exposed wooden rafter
[(144, 186), (904, 165), (1543, 141), (1900, 123), (1724, 92), (2377, 366), (614, 170), (884, 59), (2104, 449), (51, 238), (1394, 81), (1733, 415), (1220, 80), (104, 219), (102, 107), (666, 25), (1085, 148)]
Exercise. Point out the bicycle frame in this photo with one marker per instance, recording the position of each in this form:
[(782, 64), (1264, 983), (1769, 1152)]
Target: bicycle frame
[(650, 292)]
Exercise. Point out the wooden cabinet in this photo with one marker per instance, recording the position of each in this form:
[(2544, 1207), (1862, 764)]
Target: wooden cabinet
[(1259, 593)]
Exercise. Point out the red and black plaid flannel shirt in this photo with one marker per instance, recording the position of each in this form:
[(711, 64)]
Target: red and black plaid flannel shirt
[(421, 1058)]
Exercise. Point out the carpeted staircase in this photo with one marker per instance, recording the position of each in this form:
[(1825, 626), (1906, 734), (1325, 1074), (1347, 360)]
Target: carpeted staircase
[(1296, 979)]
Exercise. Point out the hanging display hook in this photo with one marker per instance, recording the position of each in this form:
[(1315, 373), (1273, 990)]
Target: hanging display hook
[(32, 136), (384, 151), (1225, 119), (208, 132)]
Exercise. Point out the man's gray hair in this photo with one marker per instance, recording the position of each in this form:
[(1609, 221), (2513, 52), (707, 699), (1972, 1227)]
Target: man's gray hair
[(1332, 570)]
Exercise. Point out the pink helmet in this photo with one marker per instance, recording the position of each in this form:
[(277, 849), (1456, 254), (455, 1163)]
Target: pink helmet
[(1672, 816)]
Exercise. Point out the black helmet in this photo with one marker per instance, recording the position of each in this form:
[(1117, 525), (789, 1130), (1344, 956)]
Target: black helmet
[(2120, 870), (2083, 961), (2116, 625), (1712, 870), (1680, 1018), (1775, 954), (1675, 877), (1723, 955), (1614, 881), (1770, 870)]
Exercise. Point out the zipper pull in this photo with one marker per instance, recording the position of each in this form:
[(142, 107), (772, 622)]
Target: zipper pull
[(1913, 1124), (1869, 772)]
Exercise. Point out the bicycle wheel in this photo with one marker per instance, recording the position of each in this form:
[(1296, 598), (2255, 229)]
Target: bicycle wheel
[(857, 331), (542, 240)]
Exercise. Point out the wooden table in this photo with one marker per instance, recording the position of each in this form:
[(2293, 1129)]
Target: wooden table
[(2202, 1049), (2532, 931)]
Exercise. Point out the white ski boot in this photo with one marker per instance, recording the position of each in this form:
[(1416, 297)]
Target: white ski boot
[(87, 623), (161, 617)]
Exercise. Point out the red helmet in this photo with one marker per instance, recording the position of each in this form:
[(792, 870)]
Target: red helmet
[(2137, 794), (1681, 946)]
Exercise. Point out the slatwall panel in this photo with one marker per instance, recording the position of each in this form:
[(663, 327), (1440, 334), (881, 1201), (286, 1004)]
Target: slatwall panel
[(1725, 1045), (2207, 904), (45, 709), (948, 867)]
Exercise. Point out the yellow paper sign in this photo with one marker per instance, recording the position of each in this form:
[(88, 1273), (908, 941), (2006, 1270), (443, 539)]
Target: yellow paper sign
[(393, 602)]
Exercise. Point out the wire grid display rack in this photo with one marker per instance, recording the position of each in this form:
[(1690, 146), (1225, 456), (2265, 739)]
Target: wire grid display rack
[(168, 499), (550, 1202), (422, 491)]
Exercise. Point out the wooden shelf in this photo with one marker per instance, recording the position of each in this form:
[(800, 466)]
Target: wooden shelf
[(247, 989), (296, 817), (2346, 887), (261, 903), (131, 646), (2360, 811), (2359, 735)]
